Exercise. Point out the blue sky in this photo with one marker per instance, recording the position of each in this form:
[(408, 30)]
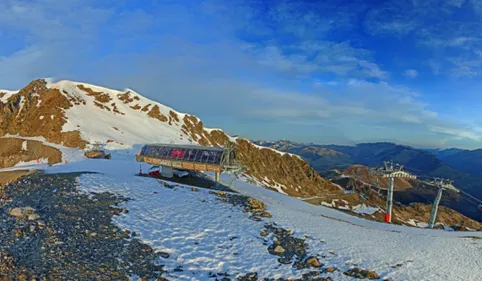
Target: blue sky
[(313, 71)]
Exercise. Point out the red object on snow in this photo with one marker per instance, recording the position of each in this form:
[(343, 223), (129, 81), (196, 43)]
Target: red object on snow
[(38, 161), (387, 218), (154, 173)]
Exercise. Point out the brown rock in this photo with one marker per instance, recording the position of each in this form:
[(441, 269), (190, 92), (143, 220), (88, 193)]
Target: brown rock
[(16, 212), (25, 118), (95, 154), (263, 234), (221, 194), (265, 215), (362, 273), (330, 269), (25, 213), (18, 232), (41, 224), (313, 261), (279, 250), (100, 97), (255, 206), (32, 217), (156, 113)]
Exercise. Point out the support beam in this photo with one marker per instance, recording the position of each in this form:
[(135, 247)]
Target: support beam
[(388, 215), (433, 214), (218, 177)]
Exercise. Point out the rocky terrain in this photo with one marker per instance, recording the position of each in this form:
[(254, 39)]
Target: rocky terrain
[(14, 151), (426, 164), (50, 231), (413, 200)]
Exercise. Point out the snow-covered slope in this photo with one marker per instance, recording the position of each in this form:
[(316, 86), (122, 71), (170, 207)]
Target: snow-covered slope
[(197, 231), (75, 115), (126, 124)]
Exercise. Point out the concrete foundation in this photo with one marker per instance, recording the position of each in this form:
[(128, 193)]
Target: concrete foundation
[(167, 172)]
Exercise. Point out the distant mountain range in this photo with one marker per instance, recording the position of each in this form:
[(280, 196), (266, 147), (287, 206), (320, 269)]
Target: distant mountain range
[(462, 166)]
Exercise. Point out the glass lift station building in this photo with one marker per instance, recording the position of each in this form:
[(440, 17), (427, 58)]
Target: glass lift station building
[(188, 157)]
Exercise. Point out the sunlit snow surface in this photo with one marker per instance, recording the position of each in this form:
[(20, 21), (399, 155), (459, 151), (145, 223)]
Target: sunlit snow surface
[(175, 220)]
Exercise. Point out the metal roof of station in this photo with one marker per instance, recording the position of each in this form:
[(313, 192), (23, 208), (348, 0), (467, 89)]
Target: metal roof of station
[(188, 146)]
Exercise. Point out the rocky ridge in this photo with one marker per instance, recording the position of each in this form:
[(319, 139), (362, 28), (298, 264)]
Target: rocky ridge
[(51, 110)]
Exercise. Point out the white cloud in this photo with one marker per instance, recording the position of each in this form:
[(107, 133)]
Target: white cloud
[(411, 73), (318, 57), (220, 76)]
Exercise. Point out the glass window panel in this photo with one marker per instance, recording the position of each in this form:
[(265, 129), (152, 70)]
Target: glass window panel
[(198, 156), (217, 157), (192, 157), (187, 153), (158, 151), (212, 155)]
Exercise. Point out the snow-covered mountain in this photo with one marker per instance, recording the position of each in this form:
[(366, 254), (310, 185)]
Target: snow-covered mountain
[(76, 114)]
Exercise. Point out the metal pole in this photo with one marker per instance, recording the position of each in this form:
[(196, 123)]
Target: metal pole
[(388, 215), (433, 215)]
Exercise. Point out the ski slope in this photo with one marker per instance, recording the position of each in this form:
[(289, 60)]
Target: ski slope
[(170, 220), (173, 220)]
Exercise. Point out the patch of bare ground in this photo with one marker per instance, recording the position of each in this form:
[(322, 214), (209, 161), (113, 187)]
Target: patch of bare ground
[(101, 106), (11, 176), (146, 108), (136, 107), (115, 109), (401, 214), (74, 99), (287, 170), (12, 152), (99, 96), (126, 97), (156, 113), (447, 216), (174, 116), (22, 115), (364, 176)]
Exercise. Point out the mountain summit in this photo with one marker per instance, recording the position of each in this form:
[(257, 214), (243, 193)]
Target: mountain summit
[(76, 114)]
